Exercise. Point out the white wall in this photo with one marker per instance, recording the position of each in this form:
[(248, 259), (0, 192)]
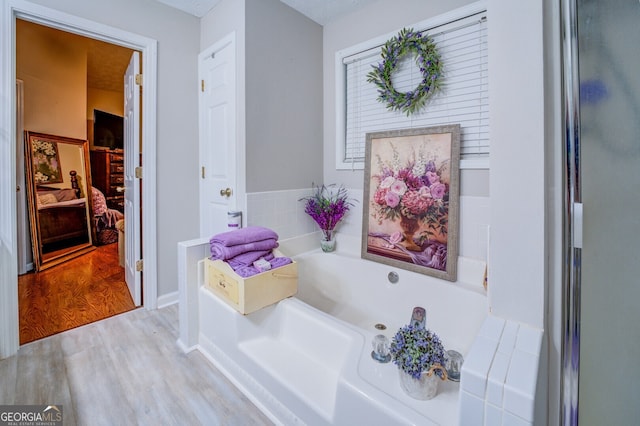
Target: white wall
[(177, 34), (518, 187), (518, 184), (517, 177), (381, 17)]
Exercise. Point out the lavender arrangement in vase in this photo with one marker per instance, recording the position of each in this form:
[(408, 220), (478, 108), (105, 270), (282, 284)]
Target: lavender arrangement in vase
[(327, 206), (420, 357)]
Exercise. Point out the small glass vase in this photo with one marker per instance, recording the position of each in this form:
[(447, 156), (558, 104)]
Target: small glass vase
[(424, 388), (328, 241)]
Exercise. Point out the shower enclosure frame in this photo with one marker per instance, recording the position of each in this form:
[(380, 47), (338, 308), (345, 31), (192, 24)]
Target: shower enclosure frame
[(571, 217)]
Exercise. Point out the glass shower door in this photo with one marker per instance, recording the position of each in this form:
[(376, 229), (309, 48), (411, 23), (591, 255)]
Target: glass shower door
[(609, 186)]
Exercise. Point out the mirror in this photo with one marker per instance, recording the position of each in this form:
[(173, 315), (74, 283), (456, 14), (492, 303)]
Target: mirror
[(58, 181)]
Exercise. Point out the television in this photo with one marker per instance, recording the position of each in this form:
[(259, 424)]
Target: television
[(107, 130)]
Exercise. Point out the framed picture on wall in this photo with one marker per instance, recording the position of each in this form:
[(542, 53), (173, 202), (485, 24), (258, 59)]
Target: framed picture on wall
[(411, 196), (46, 160)]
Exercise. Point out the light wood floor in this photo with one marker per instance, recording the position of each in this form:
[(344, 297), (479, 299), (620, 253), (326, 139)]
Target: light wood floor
[(125, 370), (88, 288)]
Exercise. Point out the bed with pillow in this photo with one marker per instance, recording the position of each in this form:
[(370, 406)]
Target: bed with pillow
[(61, 215)]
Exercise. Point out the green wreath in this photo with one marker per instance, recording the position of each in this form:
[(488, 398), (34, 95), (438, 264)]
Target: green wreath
[(427, 59)]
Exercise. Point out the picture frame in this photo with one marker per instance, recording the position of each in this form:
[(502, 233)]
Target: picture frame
[(411, 199), (45, 159), (61, 217)]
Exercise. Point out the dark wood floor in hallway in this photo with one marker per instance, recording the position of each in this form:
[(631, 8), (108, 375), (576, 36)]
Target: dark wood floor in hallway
[(78, 292)]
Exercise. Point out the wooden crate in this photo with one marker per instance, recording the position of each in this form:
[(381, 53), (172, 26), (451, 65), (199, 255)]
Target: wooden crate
[(248, 295)]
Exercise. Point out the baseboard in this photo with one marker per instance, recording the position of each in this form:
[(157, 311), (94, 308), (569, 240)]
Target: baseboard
[(185, 348), (168, 299)]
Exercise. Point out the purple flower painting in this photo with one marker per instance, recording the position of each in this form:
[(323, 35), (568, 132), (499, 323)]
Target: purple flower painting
[(411, 199)]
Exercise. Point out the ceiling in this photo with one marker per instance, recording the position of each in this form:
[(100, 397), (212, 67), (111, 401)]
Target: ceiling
[(320, 11), (106, 63)]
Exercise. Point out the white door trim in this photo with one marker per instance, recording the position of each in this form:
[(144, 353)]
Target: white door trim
[(12, 9)]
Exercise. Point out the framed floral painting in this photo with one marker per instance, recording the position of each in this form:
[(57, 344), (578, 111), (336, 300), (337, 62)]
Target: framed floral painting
[(411, 194), (46, 159)]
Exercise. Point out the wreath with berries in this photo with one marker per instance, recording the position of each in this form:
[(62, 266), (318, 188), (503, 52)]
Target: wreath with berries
[(427, 59)]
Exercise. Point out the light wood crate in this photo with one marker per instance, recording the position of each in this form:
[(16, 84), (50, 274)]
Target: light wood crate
[(248, 295)]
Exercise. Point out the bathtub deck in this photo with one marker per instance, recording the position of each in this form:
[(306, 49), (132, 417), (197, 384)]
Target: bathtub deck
[(302, 364)]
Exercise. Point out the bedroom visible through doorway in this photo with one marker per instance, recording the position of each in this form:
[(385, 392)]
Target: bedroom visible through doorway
[(87, 288)]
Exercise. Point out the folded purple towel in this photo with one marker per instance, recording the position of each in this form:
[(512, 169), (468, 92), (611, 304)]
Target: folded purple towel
[(246, 259), (250, 234), (279, 261), (229, 252), (248, 271)]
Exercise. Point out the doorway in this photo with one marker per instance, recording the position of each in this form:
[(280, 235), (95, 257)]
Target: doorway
[(9, 336), (83, 80)]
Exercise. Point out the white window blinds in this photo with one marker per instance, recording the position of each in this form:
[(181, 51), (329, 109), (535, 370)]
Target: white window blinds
[(463, 99)]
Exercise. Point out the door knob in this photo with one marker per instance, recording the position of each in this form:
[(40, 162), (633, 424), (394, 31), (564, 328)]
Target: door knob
[(225, 192)]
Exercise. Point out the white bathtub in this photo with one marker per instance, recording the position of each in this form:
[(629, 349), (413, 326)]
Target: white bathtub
[(306, 360)]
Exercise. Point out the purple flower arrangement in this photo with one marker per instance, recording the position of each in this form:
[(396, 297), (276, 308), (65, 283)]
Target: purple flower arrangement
[(416, 349), (327, 206)]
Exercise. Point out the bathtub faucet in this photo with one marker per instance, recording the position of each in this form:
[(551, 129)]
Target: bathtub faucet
[(380, 350), (419, 317)]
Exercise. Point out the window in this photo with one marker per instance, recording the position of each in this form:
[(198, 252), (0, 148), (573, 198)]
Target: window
[(462, 42)]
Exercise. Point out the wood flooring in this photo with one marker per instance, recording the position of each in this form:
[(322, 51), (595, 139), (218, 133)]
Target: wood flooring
[(125, 370), (77, 292)]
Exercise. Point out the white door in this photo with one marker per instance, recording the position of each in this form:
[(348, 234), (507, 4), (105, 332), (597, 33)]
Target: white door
[(131, 183), (217, 109)]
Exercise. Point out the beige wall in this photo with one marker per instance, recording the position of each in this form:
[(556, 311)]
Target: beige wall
[(104, 100), (53, 66), (55, 82)]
